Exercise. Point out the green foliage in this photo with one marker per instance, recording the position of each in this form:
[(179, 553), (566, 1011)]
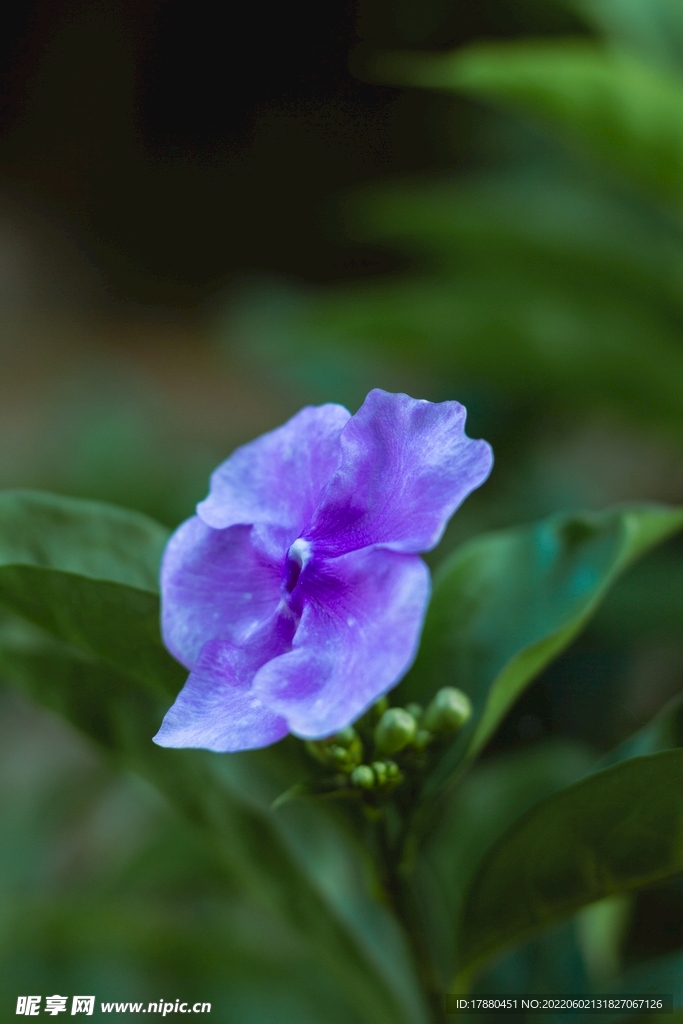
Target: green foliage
[(505, 605), (615, 104), (619, 829), (478, 812), (87, 574)]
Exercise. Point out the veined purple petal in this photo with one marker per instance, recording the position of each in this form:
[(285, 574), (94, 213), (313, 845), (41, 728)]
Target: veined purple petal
[(406, 465), (277, 479), (358, 634), (296, 595), (217, 709), (216, 584)]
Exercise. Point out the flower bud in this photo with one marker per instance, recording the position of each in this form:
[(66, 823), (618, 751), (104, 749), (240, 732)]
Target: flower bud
[(345, 737), (363, 777), (394, 731), (423, 737), (416, 710), (342, 751), (448, 711), (387, 773)]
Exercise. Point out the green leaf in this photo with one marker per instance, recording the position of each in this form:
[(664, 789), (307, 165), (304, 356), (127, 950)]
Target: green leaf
[(617, 830), (87, 572), (488, 802), (506, 604), (623, 109), (664, 732)]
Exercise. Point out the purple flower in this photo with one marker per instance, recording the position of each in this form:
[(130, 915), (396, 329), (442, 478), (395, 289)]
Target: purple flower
[(296, 596)]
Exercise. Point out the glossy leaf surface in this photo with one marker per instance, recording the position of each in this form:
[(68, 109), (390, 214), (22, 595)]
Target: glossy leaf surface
[(506, 604), (617, 830), (488, 802), (87, 573)]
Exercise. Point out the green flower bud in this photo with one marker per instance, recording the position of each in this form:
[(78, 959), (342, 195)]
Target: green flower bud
[(394, 731), (363, 777), (416, 710), (342, 752), (448, 711), (387, 773), (346, 736), (423, 737)]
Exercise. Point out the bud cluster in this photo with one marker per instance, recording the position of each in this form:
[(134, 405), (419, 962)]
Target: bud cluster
[(343, 751), (397, 731)]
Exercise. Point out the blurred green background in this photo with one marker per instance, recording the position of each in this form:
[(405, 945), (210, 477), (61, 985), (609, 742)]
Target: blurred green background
[(210, 217)]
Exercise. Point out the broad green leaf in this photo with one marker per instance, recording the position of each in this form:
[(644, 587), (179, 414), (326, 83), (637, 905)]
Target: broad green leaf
[(87, 573), (615, 831), (488, 802), (89, 538), (625, 110), (506, 604), (664, 732)]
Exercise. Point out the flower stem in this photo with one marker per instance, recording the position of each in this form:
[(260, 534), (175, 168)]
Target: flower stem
[(405, 908)]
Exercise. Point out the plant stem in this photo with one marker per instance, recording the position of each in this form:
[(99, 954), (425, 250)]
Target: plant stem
[(406, 911)]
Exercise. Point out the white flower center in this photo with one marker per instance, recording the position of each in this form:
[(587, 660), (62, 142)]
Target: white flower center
[(300, 552)]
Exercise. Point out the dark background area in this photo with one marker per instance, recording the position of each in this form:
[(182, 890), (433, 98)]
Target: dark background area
[(181, 144)]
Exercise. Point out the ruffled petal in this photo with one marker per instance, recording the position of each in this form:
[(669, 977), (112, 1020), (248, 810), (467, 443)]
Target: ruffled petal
[(218, 709), (406, 465), (359, 631), (277, 479), (215, 584)]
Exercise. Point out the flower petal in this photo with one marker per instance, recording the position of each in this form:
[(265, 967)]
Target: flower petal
[(217, 709), (277, 479), (358, 635), (406, 466), (215, 584), (214, 713)]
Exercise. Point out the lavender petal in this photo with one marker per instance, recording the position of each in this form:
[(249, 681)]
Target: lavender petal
[(214, 713), (277, 479), (217, 708), (357, 636), (406, 466), (216, 584)]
